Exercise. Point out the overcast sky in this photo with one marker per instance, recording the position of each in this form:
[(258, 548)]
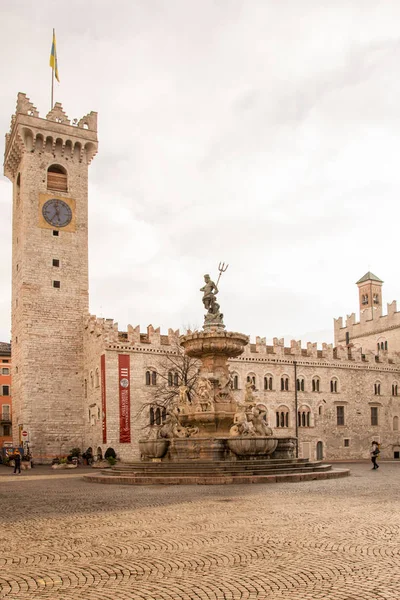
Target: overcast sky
[(260, 133)]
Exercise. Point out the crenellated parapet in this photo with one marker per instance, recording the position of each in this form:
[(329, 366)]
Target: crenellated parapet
[(54, 136), (153, 340), (371, 328)]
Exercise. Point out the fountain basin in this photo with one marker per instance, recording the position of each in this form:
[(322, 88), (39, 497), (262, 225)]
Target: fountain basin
[(153, 448), (225, 344), (252, 446)]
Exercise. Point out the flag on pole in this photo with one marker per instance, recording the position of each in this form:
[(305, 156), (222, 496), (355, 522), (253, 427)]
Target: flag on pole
[(53, 57)]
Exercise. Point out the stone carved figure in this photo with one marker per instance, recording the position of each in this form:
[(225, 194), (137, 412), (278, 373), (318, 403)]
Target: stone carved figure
[(241, 426), (260, 425), (209, 290), (204, 392), (249, 397), (172, 428), (214, 317), (183, 395), (224, 391), (250, 423)]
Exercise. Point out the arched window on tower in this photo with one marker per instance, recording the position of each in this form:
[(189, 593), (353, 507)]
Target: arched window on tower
[(57, 178)]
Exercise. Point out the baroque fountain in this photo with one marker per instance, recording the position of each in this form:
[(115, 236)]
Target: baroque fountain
[(210, 424)]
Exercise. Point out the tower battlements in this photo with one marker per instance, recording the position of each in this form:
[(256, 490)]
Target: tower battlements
[(371, 322), (54, 135)]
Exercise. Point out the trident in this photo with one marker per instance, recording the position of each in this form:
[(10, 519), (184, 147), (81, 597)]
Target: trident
[(221, 268)]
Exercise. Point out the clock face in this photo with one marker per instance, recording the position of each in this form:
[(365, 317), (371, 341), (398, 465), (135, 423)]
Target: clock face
[(57, 212)]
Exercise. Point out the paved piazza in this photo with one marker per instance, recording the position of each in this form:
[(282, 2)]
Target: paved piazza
[(65, 539)]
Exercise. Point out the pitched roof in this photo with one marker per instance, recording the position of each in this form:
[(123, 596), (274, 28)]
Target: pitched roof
[(5, 348), (369, 276)]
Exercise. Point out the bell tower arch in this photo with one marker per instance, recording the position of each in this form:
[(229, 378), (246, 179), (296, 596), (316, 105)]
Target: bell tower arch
[(47, 161)]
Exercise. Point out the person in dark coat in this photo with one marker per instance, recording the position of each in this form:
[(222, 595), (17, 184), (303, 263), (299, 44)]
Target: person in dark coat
[(374, 454), (17, 462)]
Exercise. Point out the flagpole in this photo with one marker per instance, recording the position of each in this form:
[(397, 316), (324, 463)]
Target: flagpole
[(52, 80)]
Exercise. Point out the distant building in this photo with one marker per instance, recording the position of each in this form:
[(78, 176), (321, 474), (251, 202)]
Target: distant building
[(5, 395), (69, 367)]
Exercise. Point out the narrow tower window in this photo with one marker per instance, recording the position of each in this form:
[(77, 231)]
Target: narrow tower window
[(57, 284), (56, 262)]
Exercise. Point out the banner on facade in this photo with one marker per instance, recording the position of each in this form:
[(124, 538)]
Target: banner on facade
[(124, 399), (103, 397)]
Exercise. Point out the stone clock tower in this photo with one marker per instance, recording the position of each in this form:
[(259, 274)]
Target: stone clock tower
[(47, 161)]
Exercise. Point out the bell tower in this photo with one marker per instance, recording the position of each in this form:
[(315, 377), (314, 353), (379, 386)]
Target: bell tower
[(47, 162), (370, 293)]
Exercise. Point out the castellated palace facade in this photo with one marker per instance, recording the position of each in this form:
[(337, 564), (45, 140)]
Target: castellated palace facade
[(78, 380)]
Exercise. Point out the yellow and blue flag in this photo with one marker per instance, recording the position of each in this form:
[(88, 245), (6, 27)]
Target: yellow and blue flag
[(53, 57)]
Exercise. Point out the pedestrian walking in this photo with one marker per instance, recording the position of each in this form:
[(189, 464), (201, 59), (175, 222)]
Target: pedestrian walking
[(374, 454), (17, 462)]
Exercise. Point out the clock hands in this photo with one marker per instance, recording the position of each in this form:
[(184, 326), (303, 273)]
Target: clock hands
[(57, 213)]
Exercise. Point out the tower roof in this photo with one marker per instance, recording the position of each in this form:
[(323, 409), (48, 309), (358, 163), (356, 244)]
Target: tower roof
[(369, 277)]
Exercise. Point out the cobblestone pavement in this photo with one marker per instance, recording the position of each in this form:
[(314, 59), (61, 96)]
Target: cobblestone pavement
[(65, 539)]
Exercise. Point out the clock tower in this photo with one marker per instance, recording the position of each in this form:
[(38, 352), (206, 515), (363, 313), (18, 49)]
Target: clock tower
[(47, 162)]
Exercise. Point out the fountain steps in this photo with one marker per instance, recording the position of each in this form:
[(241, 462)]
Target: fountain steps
[(206, 473)]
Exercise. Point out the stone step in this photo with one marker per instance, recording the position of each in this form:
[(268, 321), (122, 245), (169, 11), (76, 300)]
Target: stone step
[(209, 470), (214, 479), (213, 466)]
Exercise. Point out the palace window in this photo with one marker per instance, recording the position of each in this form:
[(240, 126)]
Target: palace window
[(282, 417), (57, 284), (57, 178), (97, 378), (340, 415), (346, 442), (173, 379), (284, 384), (251, 379), (315, 384), (151, 377), (268, 382), (395, 423), (394, 389), (304, 417), (56, 262), (334, 385), (377, 388), (235, 382), (374, 415), (300, 384)]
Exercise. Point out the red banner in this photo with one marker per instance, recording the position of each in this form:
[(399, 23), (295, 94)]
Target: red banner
[(103, 397), (124, 399)]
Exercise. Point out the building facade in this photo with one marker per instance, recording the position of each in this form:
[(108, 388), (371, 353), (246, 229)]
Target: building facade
[(79, 381), (5, 395)]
